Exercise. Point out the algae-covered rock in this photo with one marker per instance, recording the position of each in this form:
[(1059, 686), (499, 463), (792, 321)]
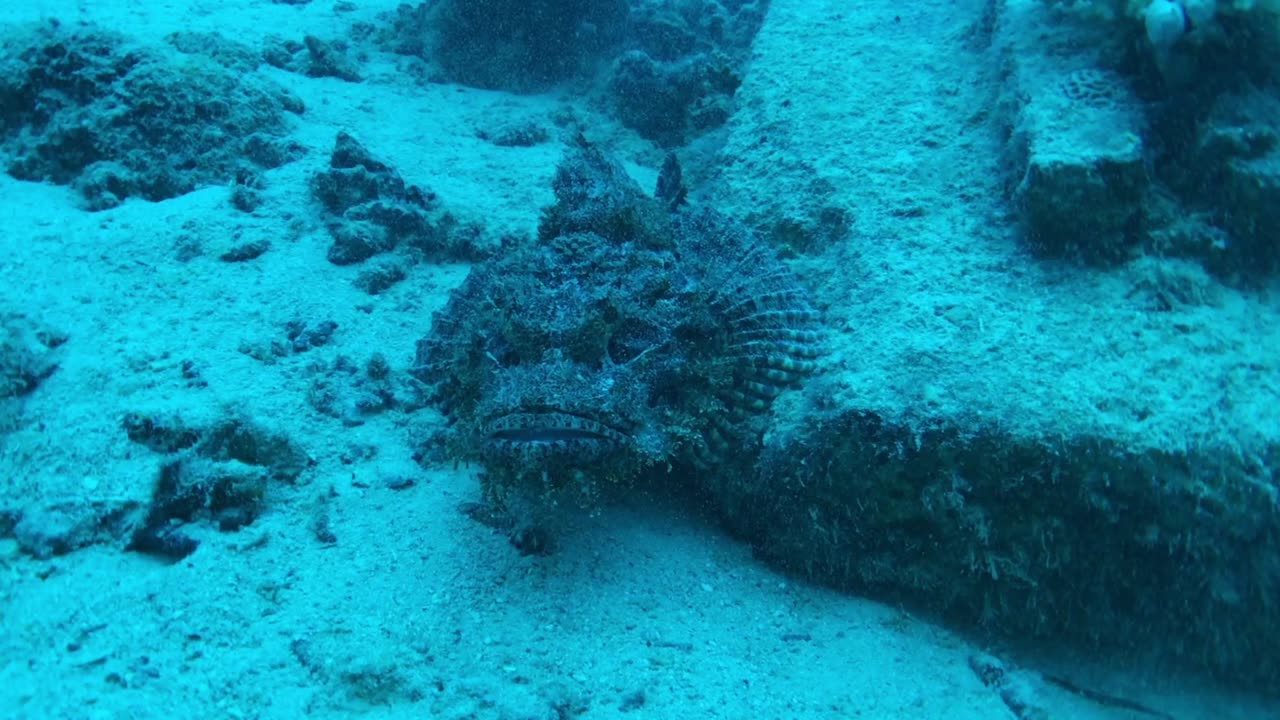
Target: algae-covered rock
[(88, 108)]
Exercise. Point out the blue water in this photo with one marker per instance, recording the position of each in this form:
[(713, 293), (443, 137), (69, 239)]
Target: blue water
[(646, 358)]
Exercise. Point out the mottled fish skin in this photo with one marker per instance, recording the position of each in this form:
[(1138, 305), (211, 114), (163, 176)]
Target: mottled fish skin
[(635, 332)]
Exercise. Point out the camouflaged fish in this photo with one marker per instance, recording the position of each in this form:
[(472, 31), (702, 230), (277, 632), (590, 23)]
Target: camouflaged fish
[(636, 332)]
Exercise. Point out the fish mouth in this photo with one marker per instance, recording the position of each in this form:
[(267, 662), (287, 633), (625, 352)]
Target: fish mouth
[(551, 434)]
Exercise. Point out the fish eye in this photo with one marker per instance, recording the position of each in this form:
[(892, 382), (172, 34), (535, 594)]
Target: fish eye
[(630, 338)]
